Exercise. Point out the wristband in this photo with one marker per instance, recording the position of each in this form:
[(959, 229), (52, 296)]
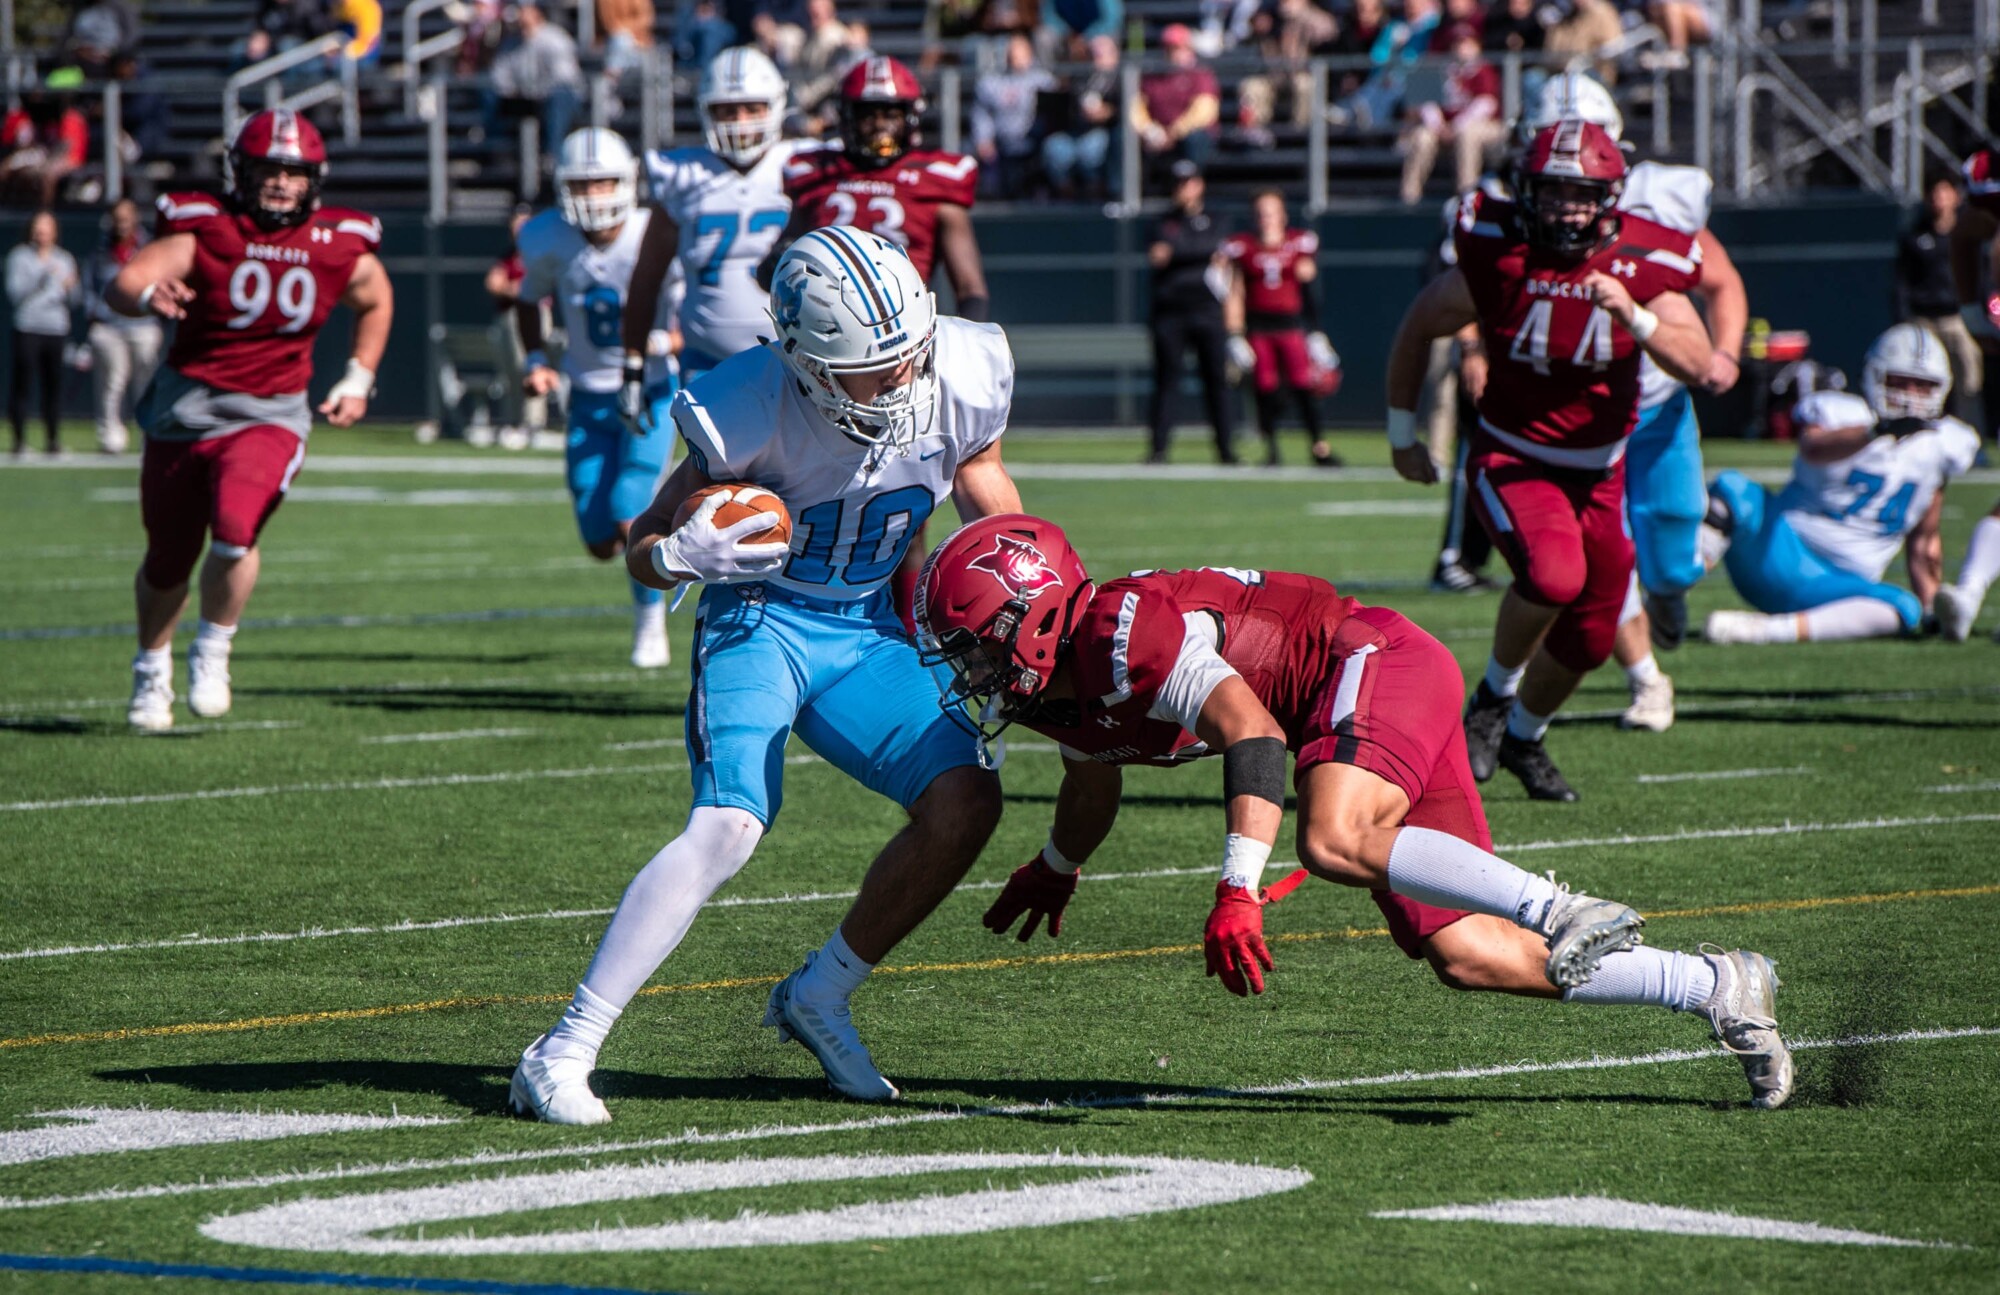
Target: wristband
[(1402, 428), (535, 359), (1243, 860), (146, 295), (635, 366), (1053, 859), (1644, 324)]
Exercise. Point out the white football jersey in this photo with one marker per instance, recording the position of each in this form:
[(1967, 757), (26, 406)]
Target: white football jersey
[(588, 283), (728, 220), (1855, 512), (853, 508), (1677, 197)]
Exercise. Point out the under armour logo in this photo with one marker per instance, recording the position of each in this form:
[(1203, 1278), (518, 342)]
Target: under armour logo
[(907, 177), (1107, 721), (322, 235), (1625, 269)]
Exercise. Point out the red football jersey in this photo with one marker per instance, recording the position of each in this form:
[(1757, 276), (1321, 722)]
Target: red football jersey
[(260, 295), (1270, 274), (899, 201), (1276, 629), (1563, 380)]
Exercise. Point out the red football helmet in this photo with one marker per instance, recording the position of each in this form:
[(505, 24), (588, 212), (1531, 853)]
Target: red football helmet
[(279, 137), (996, 602), (1569, 181), (880, 100), (1982, 180)]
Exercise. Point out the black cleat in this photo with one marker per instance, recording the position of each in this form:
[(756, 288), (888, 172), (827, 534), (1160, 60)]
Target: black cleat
[(1668, 616), (1324, 457), (1485, 722), (1529, 761), (1456, 578)]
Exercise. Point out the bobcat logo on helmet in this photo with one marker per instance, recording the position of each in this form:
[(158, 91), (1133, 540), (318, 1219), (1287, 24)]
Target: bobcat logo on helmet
[(1019, 567)]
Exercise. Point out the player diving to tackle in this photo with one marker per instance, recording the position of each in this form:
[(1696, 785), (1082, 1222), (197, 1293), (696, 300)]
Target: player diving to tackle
[(581, 252), (1869, 479), (865, 413), (1166, 666)]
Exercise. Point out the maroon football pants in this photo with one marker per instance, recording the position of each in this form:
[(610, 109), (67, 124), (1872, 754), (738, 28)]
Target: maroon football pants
[(227, 486)]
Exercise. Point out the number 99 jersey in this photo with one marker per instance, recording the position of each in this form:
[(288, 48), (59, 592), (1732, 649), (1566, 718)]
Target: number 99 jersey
[(260, 294), (588, 283)]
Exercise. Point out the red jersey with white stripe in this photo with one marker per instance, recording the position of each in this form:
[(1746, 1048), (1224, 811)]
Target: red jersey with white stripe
[(1563, 379), (1271, 272), (1274, 628), (260, 295), (898, 201)]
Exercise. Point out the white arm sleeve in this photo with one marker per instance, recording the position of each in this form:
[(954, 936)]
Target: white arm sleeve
[(1196, 672)]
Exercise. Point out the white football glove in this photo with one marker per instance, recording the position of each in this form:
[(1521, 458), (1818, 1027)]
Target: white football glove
[(1320, 351), (699, 550), (1242, 354)]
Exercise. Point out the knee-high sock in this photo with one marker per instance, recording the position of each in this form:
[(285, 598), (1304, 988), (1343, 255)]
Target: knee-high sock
[(1632, 605), (1648, 977), (1439, 869), (1850, 618), (1982, 559)]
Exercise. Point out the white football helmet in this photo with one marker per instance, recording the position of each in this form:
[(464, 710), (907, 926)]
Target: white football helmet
[(742, 75), (595, 153), (1913, 355), (846, 301), (1573, 94)]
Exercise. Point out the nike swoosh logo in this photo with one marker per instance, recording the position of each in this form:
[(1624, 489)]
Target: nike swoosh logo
[(926, 458)]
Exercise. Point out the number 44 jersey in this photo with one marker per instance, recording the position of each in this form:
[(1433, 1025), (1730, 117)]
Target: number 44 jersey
[(260, 294)]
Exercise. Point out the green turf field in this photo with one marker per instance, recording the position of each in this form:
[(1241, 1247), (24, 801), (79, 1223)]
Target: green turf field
[(440, 773)]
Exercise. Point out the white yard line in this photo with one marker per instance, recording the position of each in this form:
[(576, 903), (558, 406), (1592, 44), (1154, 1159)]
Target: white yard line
[(1032, 1110), (438, 573), (1712, 775), (1780, 701), (1774, 829), (1375, 508), (454, 735), (365, 689), (1989, 785)]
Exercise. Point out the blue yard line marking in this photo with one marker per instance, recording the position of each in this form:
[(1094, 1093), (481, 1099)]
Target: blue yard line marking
[(291, 1277), (337, 622)]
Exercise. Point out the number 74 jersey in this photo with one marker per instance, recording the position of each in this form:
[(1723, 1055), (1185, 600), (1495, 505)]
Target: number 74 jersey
[(260, 295), (1562, 380)]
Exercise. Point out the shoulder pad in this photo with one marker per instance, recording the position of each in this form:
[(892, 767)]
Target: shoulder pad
[(1833, 409), (358, 224), (1676, 197), (179, 213), (952, 177), (1133, 629)]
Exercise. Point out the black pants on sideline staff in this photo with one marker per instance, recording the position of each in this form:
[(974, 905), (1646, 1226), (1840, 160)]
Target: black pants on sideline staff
[(1174, 335), (38, 358)]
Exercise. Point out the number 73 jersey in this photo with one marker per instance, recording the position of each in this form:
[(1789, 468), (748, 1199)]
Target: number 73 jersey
[(261, 295), (1562, 380)]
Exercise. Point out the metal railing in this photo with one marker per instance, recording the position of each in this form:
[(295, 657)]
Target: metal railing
[(269, 73), (419, 50)]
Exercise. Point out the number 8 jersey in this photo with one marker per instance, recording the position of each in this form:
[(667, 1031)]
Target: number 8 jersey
[(260, 294), (588, 283), (1562, 381)]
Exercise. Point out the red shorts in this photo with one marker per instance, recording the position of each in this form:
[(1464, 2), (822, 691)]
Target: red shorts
[(1562, 531), (1282, 361), (1390, 706), (227, 486)]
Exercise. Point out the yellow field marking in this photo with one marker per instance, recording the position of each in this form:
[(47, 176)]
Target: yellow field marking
[(186, 1028)]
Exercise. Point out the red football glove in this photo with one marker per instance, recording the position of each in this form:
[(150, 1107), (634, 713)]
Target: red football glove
[(1037, 890), (1234, 939)]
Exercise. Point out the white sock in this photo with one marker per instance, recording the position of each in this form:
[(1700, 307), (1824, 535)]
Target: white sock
[(210, 637), (1525, 724), (1439, 869), (1851, 618), (1501, 680), (1648, 977), (662, 900), (1643, 671), (154, 661), (1712, 545), (835, 973), (1633, 605), (649, 614), (1982, 559), (581, 1031)]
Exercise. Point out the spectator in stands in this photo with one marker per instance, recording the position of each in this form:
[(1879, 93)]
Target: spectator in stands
[(1225, 24), (1185, 255), (1516, 28), (1004, 116), (1683, 23), (1076, 23), (1458, 16), (361, 22), (1396, 46), (41, 285), (1925, 295), (1466, 116), (97, 34), (540, 72), (1176, 110), (1287, 36), (700, 33), (46, 138), (123, 350), (1077, 150), (503, 287), (1589, 26), (819, 55), (1359, 31), (626, 27)]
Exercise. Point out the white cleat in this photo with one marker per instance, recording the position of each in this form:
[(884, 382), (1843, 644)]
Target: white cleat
[(827, 1031), (555, 1090), (1743, 1010), (152, 707), (650, 650), (1582, 931), (1734, 627), (1956, 611), (1652, 705), (208, 682)]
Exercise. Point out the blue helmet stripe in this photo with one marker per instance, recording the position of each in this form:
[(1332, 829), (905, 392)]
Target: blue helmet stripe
[(856, 264), (873, 279)]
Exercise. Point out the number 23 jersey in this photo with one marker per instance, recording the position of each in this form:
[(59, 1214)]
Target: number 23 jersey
[(898, 201), (588, 283), (854, 510), (728, 220), (260, 295)]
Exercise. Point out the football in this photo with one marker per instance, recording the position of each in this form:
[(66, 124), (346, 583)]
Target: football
[(741, 500)]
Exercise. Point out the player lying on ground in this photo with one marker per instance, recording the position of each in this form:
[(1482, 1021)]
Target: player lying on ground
[(1869, 480), (249, 277), (1163, 667), (864, 415)]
